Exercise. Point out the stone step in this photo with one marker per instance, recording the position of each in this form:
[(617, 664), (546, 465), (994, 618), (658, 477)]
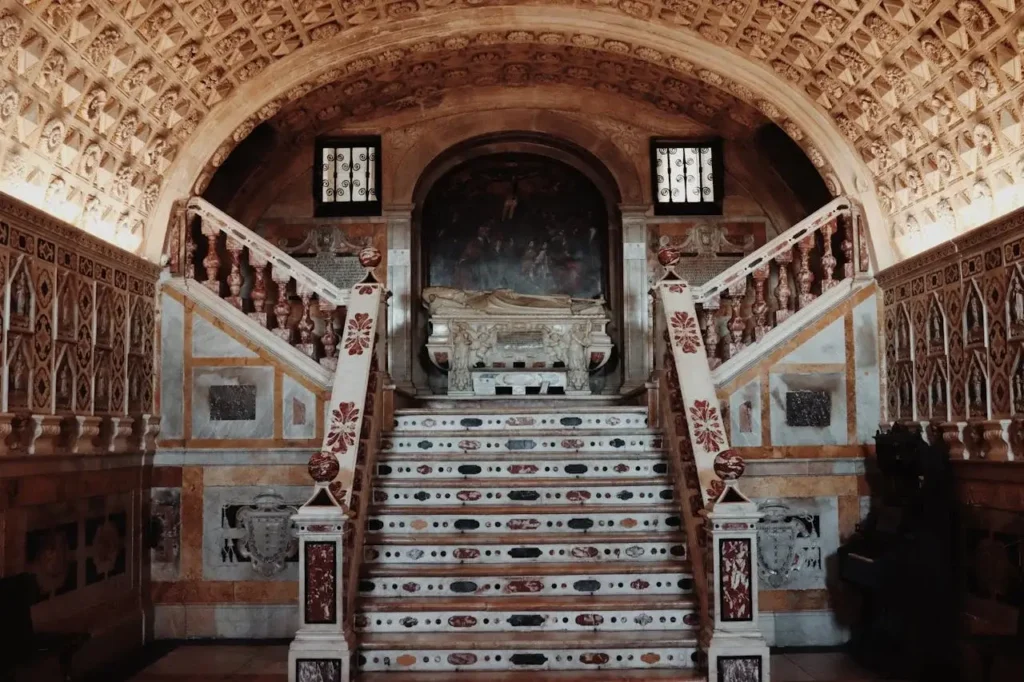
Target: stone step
[(634, 441), (680, 675), (522, 494), (472, 582), (537, 519), (550, 614), (420, 467), (593, 550), (527, 651), (535, 420)]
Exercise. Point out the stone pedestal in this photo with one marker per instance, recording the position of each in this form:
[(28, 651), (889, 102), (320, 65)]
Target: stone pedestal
[(737, 651), (322, 648)]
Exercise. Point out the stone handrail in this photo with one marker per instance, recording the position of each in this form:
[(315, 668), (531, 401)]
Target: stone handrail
[(797, 267), (263, 281)]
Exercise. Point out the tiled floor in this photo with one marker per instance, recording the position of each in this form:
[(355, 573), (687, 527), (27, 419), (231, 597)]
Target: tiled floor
[(238, 663)]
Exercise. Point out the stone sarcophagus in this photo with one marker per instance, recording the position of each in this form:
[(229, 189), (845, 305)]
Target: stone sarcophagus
[(500, 342)]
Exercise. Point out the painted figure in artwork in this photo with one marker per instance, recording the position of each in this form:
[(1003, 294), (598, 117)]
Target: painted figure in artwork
[(518, 222)]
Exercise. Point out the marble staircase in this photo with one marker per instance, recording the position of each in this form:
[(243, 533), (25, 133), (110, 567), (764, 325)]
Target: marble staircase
[(505, 542)]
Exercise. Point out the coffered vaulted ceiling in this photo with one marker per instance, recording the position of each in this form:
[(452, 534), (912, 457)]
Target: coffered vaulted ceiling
[(100, 100)]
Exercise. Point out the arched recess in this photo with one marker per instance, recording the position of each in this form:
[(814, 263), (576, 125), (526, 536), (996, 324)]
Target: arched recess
[(263, 95), (434, 163)]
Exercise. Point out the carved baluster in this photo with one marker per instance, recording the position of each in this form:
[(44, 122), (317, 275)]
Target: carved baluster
[(212, 260), (782, 290), (828, 261), (190, 258), (804, 276), (258, 263), (711, 331), (306, 325), (329, 339), (235, 276), (282, 309), (847, 247), (759, 308), (737, 325)]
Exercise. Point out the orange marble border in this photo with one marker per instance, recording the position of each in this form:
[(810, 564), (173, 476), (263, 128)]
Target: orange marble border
[(763, 487), (851, 377), (225, 591), (794, 600), (780, 452), (191, 538), (282, 474)]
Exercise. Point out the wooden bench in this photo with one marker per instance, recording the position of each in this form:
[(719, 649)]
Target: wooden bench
[(25, 653)]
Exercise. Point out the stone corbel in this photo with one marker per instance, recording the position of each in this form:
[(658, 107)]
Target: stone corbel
[(42, 434), (995, 446), (952, 433), (973, 439), (145, 428), (9, 426), (80, 433), (115, 433), (1015, 437)]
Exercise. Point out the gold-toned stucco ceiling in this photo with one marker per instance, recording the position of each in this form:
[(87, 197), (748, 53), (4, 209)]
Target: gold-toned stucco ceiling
[(100, 99)]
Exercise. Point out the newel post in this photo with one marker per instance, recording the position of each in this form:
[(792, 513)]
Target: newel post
[(737, 651), (322, 647)]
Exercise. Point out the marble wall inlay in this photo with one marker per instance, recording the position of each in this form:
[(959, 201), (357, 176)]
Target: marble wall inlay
[(808, 408), (232, 403)]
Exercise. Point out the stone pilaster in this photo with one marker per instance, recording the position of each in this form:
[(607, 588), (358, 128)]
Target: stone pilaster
[(737, 651), (322, 648), (636, 307), (401, 353)]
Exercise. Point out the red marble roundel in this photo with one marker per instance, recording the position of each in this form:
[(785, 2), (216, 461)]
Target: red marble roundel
[(323, 467), (729, 465), (668, 256), (370, 257)]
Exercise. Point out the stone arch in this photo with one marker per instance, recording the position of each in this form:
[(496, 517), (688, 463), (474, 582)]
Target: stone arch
[(762, 87)]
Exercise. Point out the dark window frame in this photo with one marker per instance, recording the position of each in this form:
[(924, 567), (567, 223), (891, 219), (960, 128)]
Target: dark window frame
[(710, 208), (338, 209)]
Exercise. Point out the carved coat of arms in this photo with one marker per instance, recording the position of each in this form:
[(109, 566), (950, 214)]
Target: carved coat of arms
[(777, 534), (269, 539)]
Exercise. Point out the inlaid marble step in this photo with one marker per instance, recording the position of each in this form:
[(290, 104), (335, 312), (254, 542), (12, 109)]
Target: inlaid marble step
[(480, 494), (680, 675), (618, 441), (553, 614), (527, 651), (470, 582), (594, 550), (420, 467), (539, 519), (521, 420)]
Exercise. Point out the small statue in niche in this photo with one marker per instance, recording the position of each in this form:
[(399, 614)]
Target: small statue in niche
[(976, 390), (136, 332), (1016, 299), (1018, 389), (938, 392), (67, 321), (906, 396), (103, 323), (20, 298), (18, 381), (975, 331), (936, 325), (903, 335), (64, 385), (101, 389)]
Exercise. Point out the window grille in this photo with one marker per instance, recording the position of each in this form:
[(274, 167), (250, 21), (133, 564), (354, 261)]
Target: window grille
[(687, 177), (348, 180)]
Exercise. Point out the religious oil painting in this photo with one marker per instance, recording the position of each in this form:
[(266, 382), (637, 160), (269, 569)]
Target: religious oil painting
[(522, 222)]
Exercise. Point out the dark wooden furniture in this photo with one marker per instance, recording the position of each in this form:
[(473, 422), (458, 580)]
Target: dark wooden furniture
[(900, 562), (23, 651)]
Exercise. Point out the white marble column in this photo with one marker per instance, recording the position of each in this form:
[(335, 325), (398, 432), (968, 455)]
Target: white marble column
[(636, 317), (400, 339)]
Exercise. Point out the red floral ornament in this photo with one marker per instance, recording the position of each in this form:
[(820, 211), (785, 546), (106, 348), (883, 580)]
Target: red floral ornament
[(685, 332), (358, 338), (343, 427), (364, 289), (706, 426), (677, 288)]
